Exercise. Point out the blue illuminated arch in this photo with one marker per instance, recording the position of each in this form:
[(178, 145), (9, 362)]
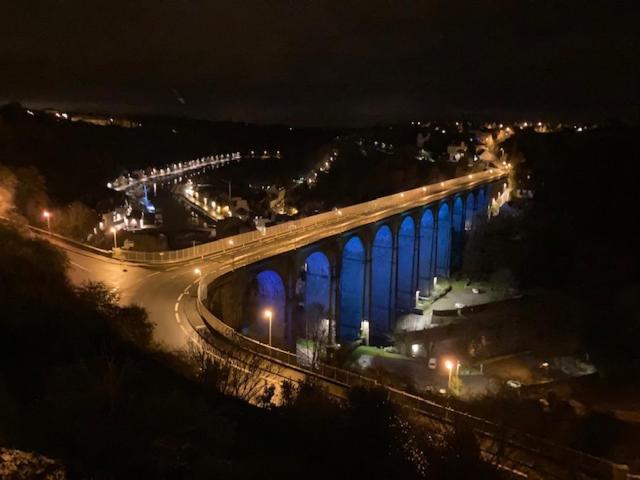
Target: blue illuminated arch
[(270, 295), (469, 211), (381, 288), (443, 246), (317, 287), (457, 219), (481, 204), (425, 260), (352, 288), (406, 244), (457, 232)]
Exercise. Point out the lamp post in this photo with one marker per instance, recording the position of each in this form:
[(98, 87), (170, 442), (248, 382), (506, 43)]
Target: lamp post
[(269, 315), (198, 272), (115, 241), (449, 365), (47, 215)]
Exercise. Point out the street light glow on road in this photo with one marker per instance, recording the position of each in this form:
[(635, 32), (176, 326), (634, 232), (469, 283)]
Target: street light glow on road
[(115, 242)]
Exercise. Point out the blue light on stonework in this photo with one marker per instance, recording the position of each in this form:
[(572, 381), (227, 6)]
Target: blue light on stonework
[(469, 212), (270, 295), (425, 261), (352, 288), (443, 256), (317, 292), (458, 226), (381, 258), (457, 234), (481, 204), (406, 241)]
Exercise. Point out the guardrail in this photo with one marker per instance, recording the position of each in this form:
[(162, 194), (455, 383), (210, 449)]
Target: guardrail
[(84, 246), (367, 208), (48, 234), (552, 460)]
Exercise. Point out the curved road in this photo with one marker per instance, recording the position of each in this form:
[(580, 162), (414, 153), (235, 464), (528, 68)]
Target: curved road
[(168, 293), (165, 290)]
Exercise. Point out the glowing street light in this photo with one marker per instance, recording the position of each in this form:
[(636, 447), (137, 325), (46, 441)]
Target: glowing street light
[(115, 242), (197, 271), (269, 316), (47, 215), (449, 366)]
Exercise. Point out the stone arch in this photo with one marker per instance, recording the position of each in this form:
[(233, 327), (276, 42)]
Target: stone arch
[(266, 292), (406, 249), (481, 204), (457, 231), (443, 244), (425, 248), (352, 276), (316, 295), (457, 217), (469, 211), (381, 276)]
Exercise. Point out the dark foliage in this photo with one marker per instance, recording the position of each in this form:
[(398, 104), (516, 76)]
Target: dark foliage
[(579, 236), (80, 382)]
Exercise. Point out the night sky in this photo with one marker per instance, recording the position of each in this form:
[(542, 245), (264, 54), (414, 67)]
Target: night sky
[(325, 62)]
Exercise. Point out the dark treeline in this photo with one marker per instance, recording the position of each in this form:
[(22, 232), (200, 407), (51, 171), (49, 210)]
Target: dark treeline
[(578, 238), (81, 382)]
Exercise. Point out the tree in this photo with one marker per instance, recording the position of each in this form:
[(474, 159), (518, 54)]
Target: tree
[(31, 197), (231, 371), (8, 184), (75, 221)]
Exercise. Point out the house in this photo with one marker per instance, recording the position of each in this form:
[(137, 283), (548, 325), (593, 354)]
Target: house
[(456, 151)]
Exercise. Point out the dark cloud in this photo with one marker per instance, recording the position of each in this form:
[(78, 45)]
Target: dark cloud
[(324, 62)]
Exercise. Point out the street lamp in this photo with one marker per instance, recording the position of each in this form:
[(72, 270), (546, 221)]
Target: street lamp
[(47, 215), (269, 315), (197, 271), (115, 242), (449, 365)]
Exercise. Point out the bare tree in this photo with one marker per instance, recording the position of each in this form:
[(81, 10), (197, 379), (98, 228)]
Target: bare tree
[(233, 371), (317, 336)]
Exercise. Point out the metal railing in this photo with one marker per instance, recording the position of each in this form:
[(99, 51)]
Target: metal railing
[(552, 460)]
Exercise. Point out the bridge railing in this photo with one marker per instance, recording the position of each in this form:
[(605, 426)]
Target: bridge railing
[(554, 458), (342, 376), (380, 205), (553, 461)]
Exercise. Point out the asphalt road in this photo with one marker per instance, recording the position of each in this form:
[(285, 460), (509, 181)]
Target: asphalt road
[(161, 289)]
